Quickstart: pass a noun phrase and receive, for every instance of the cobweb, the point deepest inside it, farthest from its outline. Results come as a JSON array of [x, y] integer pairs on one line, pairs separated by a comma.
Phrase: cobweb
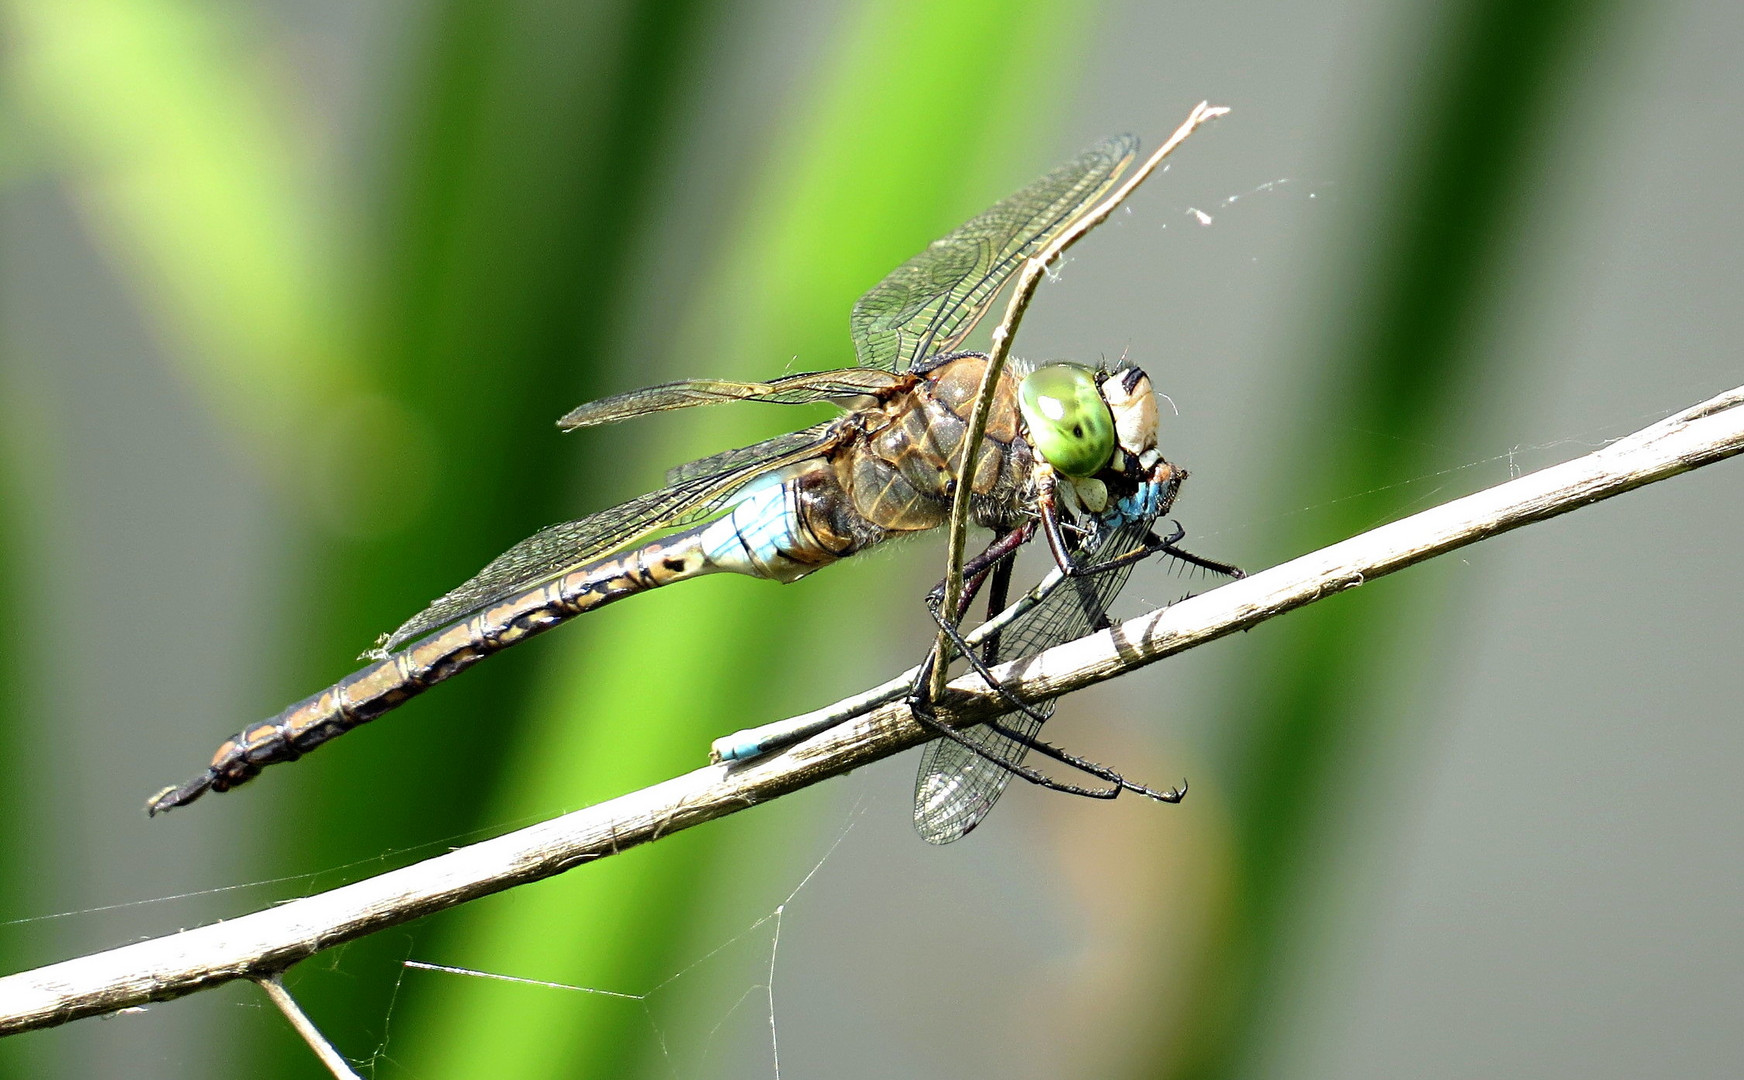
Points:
[[695, 1051]]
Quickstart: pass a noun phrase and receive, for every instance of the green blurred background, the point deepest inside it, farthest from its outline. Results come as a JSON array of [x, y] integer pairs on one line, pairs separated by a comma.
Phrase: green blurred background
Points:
[[291, 292]]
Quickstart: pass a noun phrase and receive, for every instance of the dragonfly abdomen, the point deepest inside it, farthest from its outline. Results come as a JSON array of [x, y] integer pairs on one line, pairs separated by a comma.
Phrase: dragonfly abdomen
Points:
[[785, 525], [768, 534]]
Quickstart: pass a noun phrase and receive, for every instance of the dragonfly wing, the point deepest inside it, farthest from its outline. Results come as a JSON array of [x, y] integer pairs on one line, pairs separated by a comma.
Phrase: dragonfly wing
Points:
[[931, 302], [802, 389], [558, 549], [730, 460], [956, 787]]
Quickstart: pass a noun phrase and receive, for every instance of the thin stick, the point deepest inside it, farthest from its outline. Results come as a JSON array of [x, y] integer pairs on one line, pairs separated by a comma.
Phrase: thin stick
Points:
[[336, 1064], [1027, 281], [265, 942]]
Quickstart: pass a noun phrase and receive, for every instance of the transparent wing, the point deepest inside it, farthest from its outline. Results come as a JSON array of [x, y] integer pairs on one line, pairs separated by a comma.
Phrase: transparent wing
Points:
[[708, 486], [726, 461], [931, 302], [956, 787], [800, 389]]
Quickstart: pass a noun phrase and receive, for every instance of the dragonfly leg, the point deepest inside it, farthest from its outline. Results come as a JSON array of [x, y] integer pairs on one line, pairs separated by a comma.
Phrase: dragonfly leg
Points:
[[1048, 509], [1153, 545], [1167, 547], [962, 645], [923, 712], [975, 573], [1024, 772], [1047, 503], [1052, 528], [997, 593]]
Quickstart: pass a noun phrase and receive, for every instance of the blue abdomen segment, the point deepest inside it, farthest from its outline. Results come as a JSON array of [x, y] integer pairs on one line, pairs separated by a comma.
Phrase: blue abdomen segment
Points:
[[764, 535], [1142, 505]]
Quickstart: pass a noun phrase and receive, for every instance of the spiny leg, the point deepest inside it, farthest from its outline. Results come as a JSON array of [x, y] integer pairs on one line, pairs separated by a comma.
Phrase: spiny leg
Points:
[[1167, 547], [1054, 530], [1097, 617], [1048, 508], [1153, 545], [924, 713], [975, 573], [1025, 772], [998, 555]]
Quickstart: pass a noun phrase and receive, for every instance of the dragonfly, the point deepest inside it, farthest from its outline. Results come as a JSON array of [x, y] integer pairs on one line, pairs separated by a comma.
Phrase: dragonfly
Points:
[[1069, 452]]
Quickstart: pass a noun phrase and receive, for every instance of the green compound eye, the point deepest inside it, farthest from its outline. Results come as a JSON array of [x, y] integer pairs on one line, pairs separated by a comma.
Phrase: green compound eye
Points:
[[1069, 423]]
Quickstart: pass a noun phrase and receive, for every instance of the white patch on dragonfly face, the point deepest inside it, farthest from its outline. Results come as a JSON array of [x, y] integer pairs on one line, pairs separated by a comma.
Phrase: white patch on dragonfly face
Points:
[[1134, 405]]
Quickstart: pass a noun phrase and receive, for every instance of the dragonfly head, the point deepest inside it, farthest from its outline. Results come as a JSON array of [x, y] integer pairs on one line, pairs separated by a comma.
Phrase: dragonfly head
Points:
[[1086, 422], [1070, 424], [1098, 429]]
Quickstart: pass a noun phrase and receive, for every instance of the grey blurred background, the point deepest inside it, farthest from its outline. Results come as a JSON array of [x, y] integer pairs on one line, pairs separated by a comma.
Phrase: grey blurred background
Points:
[[1498, 837]]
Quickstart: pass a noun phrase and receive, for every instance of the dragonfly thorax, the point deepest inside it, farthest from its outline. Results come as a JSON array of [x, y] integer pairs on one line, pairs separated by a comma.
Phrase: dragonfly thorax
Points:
[[898, 468]]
